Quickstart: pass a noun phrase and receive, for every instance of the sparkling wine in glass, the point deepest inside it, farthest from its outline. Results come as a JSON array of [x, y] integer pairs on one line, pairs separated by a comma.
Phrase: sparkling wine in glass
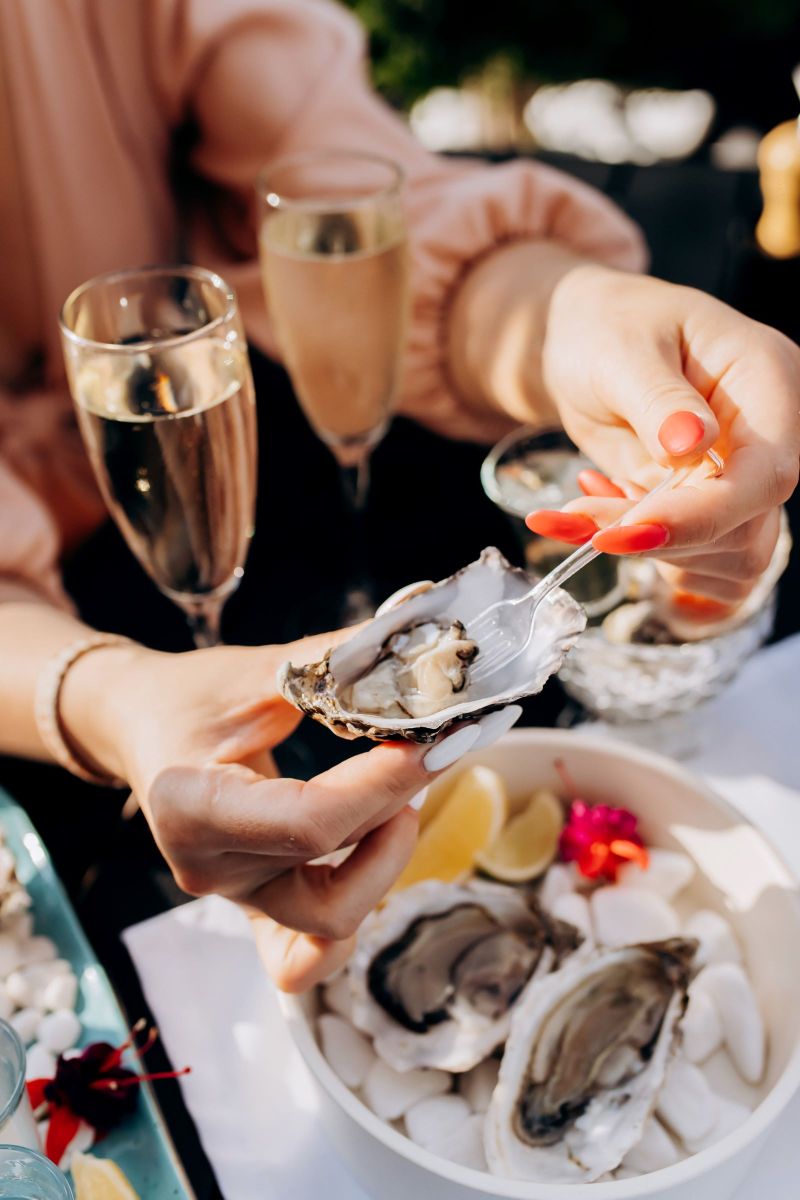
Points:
[[158, 370], [335, 267]]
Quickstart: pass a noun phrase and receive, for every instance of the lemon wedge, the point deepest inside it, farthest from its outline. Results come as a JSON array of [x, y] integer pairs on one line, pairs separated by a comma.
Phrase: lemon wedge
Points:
[[527, 845], [468, 819], [99, 1179]]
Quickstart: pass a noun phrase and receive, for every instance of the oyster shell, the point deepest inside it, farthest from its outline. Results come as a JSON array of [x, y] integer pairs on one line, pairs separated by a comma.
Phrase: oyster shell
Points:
[[438, 969], [587, 1054], [325, 690]]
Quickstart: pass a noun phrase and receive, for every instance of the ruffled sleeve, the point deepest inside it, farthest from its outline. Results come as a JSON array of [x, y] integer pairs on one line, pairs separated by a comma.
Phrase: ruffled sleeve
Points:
[[266, 78]]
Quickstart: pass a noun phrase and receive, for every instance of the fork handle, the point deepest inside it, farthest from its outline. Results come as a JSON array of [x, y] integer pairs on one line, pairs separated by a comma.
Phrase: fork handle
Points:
[[586, 554]]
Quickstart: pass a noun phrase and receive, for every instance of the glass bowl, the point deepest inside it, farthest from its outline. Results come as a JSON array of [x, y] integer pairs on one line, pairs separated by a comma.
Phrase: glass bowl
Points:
[[530, 469], [631, 683]]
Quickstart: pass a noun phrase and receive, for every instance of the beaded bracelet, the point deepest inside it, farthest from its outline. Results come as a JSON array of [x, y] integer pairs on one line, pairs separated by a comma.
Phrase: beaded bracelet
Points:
[[48, 719]]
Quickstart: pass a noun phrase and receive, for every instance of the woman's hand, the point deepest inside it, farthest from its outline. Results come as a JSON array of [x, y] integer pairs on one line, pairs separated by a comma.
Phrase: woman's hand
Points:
[[644, 372], [192, 734]]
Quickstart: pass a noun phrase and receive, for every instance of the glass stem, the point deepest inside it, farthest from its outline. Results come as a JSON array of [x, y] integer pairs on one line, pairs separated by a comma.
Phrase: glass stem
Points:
[[204, 617], [358, 604], [355, 482]]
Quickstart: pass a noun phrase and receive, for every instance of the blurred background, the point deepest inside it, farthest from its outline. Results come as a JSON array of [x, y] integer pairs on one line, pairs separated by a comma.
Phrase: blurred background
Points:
[[610, 80]]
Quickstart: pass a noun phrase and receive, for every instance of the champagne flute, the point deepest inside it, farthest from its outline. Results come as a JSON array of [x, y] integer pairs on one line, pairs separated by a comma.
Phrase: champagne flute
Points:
[[335, 266], [157, 366]]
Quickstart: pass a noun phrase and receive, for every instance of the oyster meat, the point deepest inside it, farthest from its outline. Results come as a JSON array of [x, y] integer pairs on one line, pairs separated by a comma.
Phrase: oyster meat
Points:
[[438, 969], [586, 1056], [406, 674], [418, 672]]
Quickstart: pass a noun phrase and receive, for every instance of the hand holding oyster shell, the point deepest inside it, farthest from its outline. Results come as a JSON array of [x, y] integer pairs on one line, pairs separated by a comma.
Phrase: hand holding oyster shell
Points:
[[406, 674]]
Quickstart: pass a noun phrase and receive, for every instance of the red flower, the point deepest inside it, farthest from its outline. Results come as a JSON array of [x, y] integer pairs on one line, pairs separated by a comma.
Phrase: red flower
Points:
[[600, 839], [93, 1087]]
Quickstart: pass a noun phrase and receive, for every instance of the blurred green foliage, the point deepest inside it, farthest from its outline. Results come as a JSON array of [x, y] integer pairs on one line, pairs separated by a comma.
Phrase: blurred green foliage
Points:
[[420, 44]]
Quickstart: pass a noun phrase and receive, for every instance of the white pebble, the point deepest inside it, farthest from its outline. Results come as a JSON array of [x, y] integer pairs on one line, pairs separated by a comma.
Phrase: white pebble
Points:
[[731, 1116], [10, 954], [60, 992], [742, 1026], [654, 1150], [686, 1103], [667, 873], [431, 1121], [717, 940], [559, 879], [59, 1031], [40, 1063], [39, 975], [574, 908], [625, 916], [390, 1094], [338, 996], [465, 1145], [701, 1027], [7, 1005], [347, 1051], [477, 1085], [39, 950], [19, 989], [26, 1022]]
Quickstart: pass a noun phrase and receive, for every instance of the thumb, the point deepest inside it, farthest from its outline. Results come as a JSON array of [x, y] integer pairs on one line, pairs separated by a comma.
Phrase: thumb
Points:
[[671, 419]]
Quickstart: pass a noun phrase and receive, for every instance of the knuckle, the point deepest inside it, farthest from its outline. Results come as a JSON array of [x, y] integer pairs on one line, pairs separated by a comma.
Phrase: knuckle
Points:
[[754, 560], [310, 839], [785, 475], [192, 879], [342, 925]]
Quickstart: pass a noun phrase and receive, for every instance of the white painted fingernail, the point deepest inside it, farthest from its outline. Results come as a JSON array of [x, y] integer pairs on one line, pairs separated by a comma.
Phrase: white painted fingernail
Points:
[[451, 748], [496, 725], [417, 802]]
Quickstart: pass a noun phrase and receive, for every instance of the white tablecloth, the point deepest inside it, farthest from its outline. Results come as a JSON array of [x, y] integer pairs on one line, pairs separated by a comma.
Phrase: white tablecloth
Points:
[[250, 1095]]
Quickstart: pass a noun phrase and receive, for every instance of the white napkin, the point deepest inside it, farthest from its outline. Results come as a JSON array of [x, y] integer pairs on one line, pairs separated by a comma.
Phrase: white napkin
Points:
[[250, 1095]]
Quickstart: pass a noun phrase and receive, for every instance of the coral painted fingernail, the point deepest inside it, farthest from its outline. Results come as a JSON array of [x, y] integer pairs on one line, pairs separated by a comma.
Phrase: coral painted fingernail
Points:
[[631, 539], [594, 483], [563, 527], [681, 432], [692, 604]]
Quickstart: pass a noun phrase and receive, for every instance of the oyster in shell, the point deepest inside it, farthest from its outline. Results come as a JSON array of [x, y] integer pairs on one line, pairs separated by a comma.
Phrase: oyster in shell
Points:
[[438, 969], [419, 671], [362, 688], [586, 1056]]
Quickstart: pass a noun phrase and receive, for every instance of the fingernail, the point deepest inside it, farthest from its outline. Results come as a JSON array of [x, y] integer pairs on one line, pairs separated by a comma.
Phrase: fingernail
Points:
[[594, 483], [496, 725], [564, 527], [451, 748], [681, 432], [692, 604], [417, 801], [631, 539]]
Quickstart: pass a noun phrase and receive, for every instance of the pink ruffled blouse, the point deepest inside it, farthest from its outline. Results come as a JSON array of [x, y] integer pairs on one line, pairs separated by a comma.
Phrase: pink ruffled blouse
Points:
[[91, 96]]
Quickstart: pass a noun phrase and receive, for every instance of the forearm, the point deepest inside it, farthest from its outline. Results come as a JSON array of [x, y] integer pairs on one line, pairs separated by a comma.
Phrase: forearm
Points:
[[496, 329], [32, 632]]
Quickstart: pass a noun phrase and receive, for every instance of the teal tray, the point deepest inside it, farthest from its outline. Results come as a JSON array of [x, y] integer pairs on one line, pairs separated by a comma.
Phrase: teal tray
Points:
[[141, 1146]]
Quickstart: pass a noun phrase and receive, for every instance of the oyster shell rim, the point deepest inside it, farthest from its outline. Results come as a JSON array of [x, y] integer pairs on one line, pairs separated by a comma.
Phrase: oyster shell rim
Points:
[[321, 705]]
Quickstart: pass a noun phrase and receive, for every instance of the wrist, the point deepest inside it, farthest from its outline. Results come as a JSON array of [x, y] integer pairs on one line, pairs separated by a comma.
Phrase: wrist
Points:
[[497, 324], [97, 703]]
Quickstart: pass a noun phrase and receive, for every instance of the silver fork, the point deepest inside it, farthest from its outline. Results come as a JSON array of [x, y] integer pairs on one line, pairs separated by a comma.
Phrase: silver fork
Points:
[[501, 641]]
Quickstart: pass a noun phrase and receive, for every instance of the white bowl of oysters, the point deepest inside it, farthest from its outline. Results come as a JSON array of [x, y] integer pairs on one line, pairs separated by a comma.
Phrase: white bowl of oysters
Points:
[[569, 1037]]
